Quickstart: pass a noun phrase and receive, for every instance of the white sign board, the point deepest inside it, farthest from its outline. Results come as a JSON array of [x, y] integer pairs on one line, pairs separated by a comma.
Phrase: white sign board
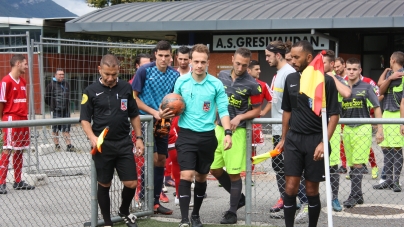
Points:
[[260, 42]]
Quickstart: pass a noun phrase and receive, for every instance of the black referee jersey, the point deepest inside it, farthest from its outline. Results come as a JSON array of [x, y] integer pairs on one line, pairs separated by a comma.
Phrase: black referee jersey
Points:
[[111, 107], [303, 119]]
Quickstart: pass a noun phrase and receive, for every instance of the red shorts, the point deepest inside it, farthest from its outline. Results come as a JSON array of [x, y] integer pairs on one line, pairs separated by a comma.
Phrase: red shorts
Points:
[[15, 138], [257, 136]]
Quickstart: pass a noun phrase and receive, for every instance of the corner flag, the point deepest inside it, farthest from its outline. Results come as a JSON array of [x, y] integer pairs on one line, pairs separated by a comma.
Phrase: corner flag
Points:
[[312, 83]]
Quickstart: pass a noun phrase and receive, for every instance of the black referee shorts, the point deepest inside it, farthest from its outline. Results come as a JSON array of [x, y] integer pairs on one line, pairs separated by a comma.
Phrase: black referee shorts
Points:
[[196, 150], [116, 154], [298, 156], [277, 161]]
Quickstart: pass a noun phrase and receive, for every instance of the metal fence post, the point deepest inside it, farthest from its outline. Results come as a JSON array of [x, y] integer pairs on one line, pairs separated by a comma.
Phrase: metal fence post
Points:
[[149, 170], [94, 200], [248, 177]]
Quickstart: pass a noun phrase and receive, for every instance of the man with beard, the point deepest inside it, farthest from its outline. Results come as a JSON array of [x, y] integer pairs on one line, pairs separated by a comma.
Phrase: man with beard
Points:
[[13, 107], [275, 56], [183, 60], [243, 93], [302, 138]]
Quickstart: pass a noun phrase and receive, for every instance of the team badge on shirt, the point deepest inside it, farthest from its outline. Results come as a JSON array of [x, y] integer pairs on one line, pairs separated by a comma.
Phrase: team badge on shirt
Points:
[[124, 104], [206, 106]]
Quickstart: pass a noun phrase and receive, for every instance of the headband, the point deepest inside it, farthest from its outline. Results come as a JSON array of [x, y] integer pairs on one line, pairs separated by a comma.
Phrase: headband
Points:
[[275, 49]]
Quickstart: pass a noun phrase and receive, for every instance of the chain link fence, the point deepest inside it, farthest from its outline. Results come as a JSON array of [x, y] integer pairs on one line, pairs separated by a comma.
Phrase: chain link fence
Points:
[[65, 180], [380, 206], [65, 183]]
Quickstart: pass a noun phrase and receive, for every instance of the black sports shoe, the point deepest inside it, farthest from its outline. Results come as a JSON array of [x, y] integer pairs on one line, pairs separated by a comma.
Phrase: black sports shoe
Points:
[[229, 218], [352, 201], [3, 189], [241, 202], [71, 148], [196, 221], [159, 209], [365, 169], [130, 220], [22, 186], [383, 185], [342, 169], [184, 223], [396, 187]]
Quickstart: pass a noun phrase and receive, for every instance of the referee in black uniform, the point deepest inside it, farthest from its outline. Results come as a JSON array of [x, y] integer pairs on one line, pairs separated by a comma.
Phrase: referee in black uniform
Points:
[[299, 125], [109, 102]]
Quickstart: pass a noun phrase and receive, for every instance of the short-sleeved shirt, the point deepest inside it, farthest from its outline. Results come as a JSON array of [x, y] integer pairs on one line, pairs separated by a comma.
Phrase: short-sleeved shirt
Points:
[[201, 101], [265, 94], [13, 94], [153, 85], [277, 89], [242, 93], [112, 107], [363, 97], [303, 120], [394, 93]]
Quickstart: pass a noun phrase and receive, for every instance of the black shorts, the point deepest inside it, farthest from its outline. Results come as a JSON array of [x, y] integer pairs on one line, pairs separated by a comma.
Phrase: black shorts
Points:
[[196, 150], [61, 114], [160, 143], [116, 154], [298, 156], [277, 161]]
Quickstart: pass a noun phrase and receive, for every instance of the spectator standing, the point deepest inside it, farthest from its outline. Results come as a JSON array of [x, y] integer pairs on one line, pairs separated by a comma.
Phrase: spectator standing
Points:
[[57, 96]]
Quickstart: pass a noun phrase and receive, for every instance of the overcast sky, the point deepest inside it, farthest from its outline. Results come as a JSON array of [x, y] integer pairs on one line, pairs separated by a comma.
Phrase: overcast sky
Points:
[[78, 7]]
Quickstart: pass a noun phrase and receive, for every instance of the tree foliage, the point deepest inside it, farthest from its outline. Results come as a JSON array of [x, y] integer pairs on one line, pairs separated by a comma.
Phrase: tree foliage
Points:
[[127, 55], [104, 3]]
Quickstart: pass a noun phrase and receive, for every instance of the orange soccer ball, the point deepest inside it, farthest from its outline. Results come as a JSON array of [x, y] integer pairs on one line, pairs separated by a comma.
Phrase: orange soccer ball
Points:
[[174, 102]]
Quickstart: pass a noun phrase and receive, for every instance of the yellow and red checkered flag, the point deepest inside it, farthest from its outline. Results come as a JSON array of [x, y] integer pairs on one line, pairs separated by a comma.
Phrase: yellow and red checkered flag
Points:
[[312, 83], [262, 157], [100, 140]]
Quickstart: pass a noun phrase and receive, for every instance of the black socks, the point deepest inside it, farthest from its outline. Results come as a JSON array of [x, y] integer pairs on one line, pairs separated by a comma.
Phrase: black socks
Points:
[[199, 194], [184, 191], [127, 197], [289, 209], [104, 203], [314, 209], [158, 183]]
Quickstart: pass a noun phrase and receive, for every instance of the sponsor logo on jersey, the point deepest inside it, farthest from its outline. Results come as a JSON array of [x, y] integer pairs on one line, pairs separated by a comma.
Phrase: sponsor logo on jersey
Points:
[[19, 100]]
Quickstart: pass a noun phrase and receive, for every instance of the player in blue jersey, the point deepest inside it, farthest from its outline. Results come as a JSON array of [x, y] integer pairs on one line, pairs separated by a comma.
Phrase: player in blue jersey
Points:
[[152, 82]]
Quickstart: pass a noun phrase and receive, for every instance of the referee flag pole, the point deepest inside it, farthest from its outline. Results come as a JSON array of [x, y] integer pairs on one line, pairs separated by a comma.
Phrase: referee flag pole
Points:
[[327, 166], [312, 84]]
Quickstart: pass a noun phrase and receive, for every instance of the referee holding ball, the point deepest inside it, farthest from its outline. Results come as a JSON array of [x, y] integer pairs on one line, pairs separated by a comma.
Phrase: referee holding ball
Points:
[[196, 143]]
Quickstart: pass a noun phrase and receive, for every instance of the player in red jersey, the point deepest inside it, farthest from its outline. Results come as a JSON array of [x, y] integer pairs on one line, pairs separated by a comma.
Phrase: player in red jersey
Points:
[[13, 107], [258, 137]]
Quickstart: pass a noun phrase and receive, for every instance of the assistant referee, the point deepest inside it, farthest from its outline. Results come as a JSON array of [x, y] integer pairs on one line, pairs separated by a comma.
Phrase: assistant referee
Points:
[[109, 103], [300, 125]]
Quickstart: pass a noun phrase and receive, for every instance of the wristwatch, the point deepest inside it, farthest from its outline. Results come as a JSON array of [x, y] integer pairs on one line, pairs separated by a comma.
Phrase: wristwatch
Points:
[[228, 132], [139, 137]]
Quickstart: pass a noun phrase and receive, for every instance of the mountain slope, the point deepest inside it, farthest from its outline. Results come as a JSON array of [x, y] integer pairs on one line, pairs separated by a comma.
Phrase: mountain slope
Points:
[[33, 8]]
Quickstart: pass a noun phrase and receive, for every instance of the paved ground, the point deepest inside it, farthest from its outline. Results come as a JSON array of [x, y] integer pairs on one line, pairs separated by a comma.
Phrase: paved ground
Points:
[[65, 200]]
